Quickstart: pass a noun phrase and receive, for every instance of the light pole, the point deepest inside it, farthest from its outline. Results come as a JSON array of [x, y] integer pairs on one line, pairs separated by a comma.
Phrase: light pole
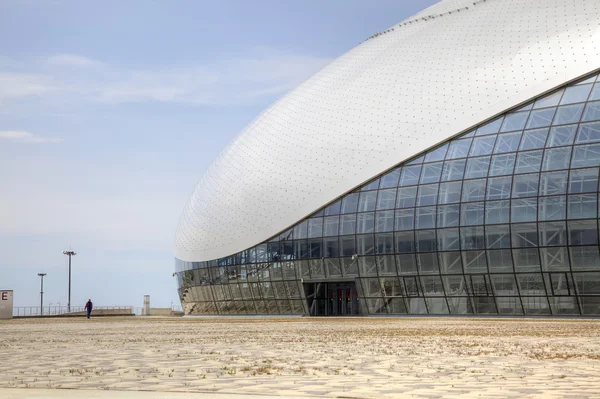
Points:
[[69, 254], [42, 293]]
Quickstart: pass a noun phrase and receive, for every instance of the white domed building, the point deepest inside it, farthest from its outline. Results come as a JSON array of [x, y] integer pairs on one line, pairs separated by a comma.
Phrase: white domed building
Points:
[[446, 165]]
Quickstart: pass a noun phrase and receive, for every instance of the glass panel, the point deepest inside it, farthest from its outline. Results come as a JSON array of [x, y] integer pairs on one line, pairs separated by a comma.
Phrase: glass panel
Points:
[[334, 209], [428, 263], [405, 241], [557, 158], [588, 133], [459, 149], [549, 101], [367, 201], [568, 114], [426, 241], [502, 164], [592, 112], [448, 216], [347, 246], [507, 142], [497, 212], [526, 260], [500, 261], [562, 135], [586, 155], [583, 232], [455, 285], [541, 118], [552, 234], [477, 167], [427, 195], [554, 259], [482, 146], [473, 190], [372, 185], [365, 244], [585, 258], [448, 240], [406, 263], [472, 214], [331, 225], [384, 221], [425, 218], [524, 210], [390, 179], [499, 188], [504, 285], [349, 203], [576, 94], [386, 199], [514, 121], [533, 139], [432, 286], [584, 206], [472, 238], [315, 227], [490, 127], [450, 262], [552, 183], [410, 175], [406, 197], [525, 185], [348, 224], [497, 237], [384, 244], [583, 181], [524, 235], [449, 193], [437, 155], [431, 172], [528, 162], [454, 170], [365, 222], [474, 261], [552, 208], [405, 219], [595, 93]]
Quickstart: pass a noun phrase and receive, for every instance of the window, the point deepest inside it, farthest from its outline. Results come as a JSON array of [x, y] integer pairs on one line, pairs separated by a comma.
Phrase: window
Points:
[[502, 164], [477, 167], [562, 135], [529, 161], [508, 142], [453, 170], [406, 197], [482, 146], [449, 193], [459, 148], [514, 121], [583, 181], [386, 199]]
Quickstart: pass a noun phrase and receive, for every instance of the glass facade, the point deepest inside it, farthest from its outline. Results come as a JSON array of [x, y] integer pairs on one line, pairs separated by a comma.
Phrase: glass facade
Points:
[[500, 220]]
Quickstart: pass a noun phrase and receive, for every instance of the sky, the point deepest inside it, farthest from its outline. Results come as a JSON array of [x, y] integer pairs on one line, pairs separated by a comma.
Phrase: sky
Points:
[[111, 111]]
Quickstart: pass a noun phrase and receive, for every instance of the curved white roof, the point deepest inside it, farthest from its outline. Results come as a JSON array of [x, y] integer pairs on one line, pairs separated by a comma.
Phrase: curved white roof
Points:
[[426, 79]]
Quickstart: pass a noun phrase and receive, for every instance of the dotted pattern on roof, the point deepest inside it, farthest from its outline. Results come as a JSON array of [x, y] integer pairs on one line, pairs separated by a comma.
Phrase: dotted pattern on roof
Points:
[[379, 104]]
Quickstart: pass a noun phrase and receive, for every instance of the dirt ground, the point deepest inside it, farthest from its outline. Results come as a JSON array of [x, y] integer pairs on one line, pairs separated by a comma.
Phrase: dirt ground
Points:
[[332, 357]]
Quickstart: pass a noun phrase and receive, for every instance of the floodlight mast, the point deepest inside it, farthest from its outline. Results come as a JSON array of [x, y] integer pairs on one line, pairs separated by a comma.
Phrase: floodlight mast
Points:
[[69, 254], [42, 293]]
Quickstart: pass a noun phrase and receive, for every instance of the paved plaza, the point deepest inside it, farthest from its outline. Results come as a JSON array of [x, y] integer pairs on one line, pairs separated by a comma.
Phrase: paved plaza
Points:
[[318, 357]]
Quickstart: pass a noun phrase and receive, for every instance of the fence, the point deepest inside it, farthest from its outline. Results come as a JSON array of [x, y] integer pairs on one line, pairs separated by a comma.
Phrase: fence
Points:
[[58, 310]]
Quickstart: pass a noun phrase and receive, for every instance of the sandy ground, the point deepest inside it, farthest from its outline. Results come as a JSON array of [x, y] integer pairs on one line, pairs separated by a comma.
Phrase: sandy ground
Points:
[[332, 357]]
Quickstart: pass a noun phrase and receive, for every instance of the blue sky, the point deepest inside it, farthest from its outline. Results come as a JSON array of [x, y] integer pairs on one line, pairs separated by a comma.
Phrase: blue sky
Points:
[[110, 112]]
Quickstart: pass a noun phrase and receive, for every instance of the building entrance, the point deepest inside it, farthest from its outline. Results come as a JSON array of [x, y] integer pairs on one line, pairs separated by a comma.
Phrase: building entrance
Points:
[[332, 299]]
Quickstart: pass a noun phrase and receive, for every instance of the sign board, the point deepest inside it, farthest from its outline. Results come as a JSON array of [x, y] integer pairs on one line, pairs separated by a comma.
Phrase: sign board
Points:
[[6, 304]]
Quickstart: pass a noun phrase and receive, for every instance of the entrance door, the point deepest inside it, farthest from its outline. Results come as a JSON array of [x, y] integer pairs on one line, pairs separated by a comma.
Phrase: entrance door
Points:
[[332, 299]]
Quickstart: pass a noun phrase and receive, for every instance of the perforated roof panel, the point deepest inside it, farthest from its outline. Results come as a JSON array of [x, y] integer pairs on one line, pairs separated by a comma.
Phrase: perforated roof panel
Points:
[[401, 92]]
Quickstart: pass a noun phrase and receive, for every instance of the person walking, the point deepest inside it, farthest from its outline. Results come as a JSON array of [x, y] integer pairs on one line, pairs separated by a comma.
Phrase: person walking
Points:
[[88, 306]]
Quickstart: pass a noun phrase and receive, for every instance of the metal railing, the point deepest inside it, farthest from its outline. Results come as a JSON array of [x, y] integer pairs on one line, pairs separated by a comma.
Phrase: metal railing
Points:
[[59, 310]]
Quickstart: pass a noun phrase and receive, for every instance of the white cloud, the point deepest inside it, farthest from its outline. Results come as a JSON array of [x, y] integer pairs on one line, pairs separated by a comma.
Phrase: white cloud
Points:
[[71, 60], [240, 80], [26, 137], [17, 85]]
